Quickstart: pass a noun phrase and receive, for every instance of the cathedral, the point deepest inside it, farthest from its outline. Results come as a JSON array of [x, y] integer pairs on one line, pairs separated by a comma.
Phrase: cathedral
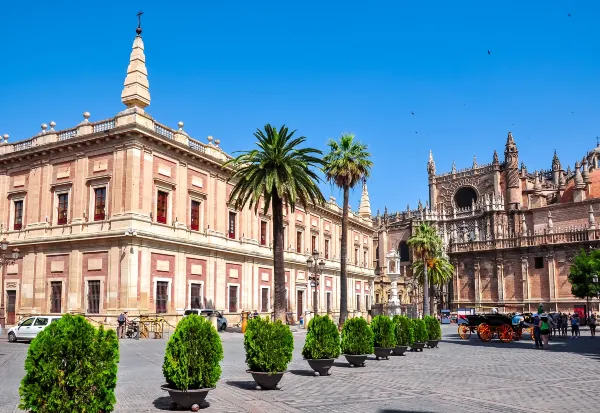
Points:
[[511, 234]]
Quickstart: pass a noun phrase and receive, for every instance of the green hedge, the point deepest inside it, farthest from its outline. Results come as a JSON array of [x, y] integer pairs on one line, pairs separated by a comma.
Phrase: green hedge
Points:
[[193, 355], [404, 331], [269, 345], [357, 337], [420, 330], [322, 339], [384, 331], [71, 366], [434, 328]]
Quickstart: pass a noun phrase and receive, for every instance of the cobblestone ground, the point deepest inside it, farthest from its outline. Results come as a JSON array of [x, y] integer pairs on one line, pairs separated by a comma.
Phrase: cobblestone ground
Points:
[[461, 375]]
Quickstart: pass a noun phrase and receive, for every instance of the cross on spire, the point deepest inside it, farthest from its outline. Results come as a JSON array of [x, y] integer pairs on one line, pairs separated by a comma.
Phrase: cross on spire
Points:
[[139, 15]]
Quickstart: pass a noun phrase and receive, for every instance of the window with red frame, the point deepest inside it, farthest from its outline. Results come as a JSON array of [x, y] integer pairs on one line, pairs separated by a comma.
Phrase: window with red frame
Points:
[[231, 227], [18, 222], [63, 208], [313, 244], [99, 204], [326, 249], [263, 233], [195, 216], [161, 207], [162, 296]]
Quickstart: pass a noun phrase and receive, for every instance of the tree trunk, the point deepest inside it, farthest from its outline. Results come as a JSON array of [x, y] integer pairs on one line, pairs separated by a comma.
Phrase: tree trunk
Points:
[[343, 260], [280, 299], [425, 288]]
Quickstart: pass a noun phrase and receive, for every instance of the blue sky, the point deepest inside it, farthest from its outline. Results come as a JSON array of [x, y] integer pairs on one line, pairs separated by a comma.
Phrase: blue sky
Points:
[[226, 68]]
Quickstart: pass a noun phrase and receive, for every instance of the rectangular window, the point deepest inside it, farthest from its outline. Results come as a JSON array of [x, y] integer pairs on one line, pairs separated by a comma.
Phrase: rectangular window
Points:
[[195, 216], [364, 258], [196, 296], [357, 302], [355, 256], [161, 207], [328, 296], [326, 249], [18, 222], [162, 296], [231, 227], [264, 300], [263, 233], [93, 297], [377, 298], [63, 208], [55, 296], [99, 204], [299, 242], [539, 262], [233, 299], [313, 243], [366, 302]]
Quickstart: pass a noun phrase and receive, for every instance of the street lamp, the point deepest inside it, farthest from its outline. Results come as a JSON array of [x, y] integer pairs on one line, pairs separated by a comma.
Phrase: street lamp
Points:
[[315, 268], [5, 260]]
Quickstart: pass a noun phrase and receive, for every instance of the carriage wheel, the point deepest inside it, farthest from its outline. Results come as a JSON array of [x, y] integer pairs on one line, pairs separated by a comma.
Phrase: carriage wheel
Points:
[[464, 332], [518, 334], [505, 333], [485, 332]]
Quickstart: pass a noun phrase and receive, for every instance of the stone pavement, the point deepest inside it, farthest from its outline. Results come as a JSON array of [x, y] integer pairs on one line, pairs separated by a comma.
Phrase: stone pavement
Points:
[[462, 375]]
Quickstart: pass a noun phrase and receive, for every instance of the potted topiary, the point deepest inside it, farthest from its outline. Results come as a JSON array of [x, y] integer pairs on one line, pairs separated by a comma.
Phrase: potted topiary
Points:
[[420, 332], [269, 346], [404, 334], [71, 366], [322, 344], [191, 364], [434, 331], [384, 336], [357, 341]]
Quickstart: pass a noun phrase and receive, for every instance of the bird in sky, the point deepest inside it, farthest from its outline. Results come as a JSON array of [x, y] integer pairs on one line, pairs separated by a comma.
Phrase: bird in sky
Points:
[[569, 14], [412, 113], [489, 52]]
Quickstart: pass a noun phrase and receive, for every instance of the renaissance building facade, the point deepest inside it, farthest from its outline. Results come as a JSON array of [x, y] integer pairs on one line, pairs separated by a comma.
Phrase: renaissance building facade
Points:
[[511, 234], [129, 214]]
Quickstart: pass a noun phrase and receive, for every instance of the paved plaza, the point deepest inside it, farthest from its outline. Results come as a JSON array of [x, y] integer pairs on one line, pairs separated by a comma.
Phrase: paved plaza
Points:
[[459, 376]]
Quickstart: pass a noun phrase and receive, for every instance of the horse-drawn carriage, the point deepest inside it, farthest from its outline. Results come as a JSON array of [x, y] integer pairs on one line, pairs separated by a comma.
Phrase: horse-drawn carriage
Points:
[[489, 325]]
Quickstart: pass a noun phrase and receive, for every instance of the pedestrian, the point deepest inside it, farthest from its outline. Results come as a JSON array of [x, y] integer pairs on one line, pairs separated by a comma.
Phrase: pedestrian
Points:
[[592, 323], [564, 320], [575, 325], [122, 320], [545, 331], [537, 324]]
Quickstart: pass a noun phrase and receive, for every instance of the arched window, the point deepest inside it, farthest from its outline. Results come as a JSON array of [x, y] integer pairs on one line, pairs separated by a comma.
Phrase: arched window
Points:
[[465, 197], [404, 252]]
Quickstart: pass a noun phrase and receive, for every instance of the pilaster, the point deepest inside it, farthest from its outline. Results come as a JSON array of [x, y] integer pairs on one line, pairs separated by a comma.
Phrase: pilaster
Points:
[[477, 276], [113, 288], [144, 279], [500, 275], [180, 281], [80, 193], [74, 282], [550, 259], [133, 172], [525, 277]]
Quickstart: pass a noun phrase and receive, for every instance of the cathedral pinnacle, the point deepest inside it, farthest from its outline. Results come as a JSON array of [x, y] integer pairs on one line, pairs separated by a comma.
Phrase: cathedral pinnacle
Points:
[[430, 164], [364, 210], [556, 162], [136, 88], [496, 161]]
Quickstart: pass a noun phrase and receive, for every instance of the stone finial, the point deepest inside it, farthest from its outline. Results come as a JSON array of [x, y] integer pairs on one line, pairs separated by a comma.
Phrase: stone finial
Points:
[[52, 125], [524, 226], [537, 186], [136, 91], [86, 116], [474, 162], [496, 160], [585, 173], [476, 232], [591, 219], [44, 127], [578, 178], [364, 210], [180, 124], [556, 162], [431, 164], [550, 223], [407, 207], [217, 142], [453, 167], [420, 206], [210, 140], [6, 138], [562, 181]]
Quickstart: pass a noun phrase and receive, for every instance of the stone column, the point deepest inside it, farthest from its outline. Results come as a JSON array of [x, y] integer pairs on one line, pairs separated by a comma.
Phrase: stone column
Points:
[[477, 276], [552, 276], [525, 277], [500, 275]]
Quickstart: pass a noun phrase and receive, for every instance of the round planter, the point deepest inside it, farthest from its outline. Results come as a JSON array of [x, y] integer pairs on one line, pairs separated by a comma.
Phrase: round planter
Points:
[[356, 360], [432, 343], [321, 366], [417, 347], [187, 398], [400, 350], [383, 352], [267, 381]]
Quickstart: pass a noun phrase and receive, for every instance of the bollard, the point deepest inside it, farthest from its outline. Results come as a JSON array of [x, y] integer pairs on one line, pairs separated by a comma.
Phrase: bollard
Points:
[[213, 321], [244, 321]]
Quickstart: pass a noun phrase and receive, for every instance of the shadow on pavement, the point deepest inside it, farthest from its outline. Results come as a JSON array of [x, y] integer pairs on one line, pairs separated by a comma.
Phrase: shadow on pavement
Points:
[[244, 385], [162, 403], [306, 373], [343, 364]]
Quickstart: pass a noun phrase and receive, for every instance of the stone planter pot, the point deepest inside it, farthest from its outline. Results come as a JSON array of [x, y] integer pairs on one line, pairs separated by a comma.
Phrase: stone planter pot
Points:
[[356, 360], [432, 343], [321, 366], [400, 350], [417, 347], [267, 381], [187, 398], [383, 352]]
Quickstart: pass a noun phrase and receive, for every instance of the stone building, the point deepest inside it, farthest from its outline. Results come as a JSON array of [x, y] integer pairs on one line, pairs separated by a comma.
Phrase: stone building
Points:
[[129, 214], [511, 234]]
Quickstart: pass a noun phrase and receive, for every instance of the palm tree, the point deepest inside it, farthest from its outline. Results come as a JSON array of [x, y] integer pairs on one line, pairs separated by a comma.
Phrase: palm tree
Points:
[[426, 244], [439, 271], [279, 172], [346, 165]]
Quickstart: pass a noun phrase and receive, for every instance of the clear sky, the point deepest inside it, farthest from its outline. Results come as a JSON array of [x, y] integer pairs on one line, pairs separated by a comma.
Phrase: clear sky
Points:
[[323, 67]]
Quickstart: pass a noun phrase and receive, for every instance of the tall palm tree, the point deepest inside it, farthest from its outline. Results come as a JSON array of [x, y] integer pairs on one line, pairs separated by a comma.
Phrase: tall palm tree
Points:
[[279, 172], [439, 271], [346, 164], [426, 244]]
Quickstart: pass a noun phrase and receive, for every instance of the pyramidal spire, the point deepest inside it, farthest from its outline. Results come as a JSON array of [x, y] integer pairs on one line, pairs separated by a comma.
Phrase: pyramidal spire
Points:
[[136, 91], [365, 205]]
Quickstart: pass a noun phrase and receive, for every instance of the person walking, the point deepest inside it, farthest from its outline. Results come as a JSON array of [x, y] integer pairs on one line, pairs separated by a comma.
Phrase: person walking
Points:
[[592, 322], [564, 320], [545, 331], [537, 324], [122, 320], [575, 325]]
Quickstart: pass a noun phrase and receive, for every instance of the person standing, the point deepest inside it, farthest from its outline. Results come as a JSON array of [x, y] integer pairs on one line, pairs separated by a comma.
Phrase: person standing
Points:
[[564, 320], [545, 331], [537, 324], [592, 322], [122, 320], [575, 325]]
